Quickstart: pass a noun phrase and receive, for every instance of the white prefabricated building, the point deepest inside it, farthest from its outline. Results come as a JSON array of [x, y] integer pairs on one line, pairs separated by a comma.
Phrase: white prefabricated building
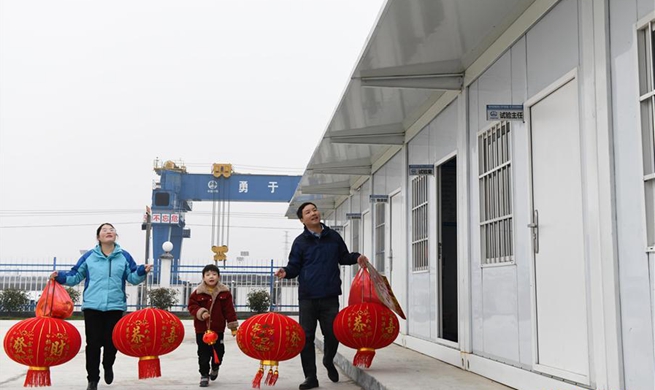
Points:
[[496, 160]]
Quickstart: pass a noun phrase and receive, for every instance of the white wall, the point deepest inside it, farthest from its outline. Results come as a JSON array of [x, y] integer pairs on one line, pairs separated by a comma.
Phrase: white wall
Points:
[[636, 307]]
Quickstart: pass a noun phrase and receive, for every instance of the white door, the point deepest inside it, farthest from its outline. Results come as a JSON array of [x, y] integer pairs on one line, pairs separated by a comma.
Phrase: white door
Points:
[[397, 255], [558, 239]]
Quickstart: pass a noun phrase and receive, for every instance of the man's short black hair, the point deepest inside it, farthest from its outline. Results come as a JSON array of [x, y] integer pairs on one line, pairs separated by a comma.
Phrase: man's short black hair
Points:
[[210, 267], [302, 206]]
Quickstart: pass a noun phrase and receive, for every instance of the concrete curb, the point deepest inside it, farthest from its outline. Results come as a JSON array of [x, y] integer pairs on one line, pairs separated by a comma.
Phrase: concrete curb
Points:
[[358, 375]]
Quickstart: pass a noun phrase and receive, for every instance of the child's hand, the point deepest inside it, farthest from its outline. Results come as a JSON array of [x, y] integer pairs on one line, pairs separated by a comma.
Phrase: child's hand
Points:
[[205, 315], [234, 332]]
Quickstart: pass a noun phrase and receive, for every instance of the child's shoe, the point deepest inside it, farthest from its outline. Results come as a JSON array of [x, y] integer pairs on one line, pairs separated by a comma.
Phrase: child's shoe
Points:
[[213, 374], [204, 381]]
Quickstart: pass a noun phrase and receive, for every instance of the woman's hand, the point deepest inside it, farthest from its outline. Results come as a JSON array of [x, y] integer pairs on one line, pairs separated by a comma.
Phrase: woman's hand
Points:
[[148, 267], [53, 275], [362, 261]]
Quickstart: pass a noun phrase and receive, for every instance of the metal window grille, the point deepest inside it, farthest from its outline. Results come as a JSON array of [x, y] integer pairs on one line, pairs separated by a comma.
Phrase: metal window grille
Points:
[[354, 246], [420, 223], [646, 52], [495, 167], [379, 236]]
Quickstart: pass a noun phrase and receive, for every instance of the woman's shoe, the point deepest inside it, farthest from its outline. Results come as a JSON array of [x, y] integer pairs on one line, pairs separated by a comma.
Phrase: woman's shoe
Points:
[[92, 386]]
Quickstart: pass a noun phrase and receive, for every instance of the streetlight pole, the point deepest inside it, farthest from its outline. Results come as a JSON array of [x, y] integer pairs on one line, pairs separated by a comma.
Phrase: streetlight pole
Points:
[[148, 227]]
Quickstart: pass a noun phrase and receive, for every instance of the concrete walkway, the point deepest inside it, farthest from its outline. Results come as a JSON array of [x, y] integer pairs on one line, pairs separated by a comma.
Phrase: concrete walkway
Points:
[[394, 368]]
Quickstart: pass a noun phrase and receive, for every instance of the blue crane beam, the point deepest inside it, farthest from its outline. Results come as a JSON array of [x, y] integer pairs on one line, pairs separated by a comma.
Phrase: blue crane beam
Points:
[[177, 190]]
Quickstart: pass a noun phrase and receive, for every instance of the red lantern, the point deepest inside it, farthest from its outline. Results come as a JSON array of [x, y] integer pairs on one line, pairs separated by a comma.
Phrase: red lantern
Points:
[[270, 338], [210, 338], [41, 343], [146, 334], [366, 327]]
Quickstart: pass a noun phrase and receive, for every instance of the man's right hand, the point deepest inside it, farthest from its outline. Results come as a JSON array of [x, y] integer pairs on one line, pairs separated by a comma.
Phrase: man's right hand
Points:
[[281, 273]]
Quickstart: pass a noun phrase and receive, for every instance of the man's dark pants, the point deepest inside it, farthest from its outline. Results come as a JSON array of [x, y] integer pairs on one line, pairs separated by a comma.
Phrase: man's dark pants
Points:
[[98, 327], [323, 310]]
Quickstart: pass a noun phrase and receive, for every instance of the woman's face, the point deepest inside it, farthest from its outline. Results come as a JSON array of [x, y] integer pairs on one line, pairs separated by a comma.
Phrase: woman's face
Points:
[[107, 234]]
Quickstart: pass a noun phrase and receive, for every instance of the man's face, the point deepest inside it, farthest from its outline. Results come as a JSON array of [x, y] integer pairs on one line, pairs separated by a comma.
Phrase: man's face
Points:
[[310, 216]]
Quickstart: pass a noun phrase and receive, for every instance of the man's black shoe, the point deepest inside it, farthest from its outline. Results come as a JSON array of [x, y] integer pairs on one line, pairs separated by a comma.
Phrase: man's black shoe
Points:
[[109, 375], [333, 374], [92, 386], [309, 383]]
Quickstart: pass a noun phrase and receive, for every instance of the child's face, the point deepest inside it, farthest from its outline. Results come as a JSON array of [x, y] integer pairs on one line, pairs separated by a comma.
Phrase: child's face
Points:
[[211, 278]]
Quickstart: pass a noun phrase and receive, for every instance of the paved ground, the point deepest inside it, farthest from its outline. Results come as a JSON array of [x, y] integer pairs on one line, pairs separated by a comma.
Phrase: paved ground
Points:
[[394, 368]]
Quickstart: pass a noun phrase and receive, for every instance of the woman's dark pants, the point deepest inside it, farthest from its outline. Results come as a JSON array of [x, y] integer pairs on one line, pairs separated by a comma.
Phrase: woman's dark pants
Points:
[[98, 326]]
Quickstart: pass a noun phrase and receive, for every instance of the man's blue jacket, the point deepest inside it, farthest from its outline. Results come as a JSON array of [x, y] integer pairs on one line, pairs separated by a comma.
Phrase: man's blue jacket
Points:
[[316, 260], [104, 278]]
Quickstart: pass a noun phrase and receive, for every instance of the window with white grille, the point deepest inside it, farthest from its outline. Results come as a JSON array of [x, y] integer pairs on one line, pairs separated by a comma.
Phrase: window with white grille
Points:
[[646, 49], [354, 227], [380, 209], [420, 223], [495, 169]]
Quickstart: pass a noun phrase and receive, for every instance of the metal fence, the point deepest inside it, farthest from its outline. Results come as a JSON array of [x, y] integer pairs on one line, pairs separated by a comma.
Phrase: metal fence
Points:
[[240, 278]]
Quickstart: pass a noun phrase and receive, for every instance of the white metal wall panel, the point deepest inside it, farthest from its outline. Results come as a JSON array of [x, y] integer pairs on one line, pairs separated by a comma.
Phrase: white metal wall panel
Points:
[[443, 134], [395, 169], [499, 315], [637, 332], [499, 292], [521, 212], [553, 46], [389, 177], [644, 7], [420, 318], [477, 338]]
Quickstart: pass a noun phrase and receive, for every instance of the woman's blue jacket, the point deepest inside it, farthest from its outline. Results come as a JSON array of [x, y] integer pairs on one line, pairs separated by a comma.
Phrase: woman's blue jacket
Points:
[[104, 278]]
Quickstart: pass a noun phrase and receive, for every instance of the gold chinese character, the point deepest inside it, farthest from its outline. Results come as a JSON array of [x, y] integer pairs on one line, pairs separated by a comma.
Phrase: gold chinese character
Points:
[[359, 325], [19, 343], [57, 348], [137, 337]]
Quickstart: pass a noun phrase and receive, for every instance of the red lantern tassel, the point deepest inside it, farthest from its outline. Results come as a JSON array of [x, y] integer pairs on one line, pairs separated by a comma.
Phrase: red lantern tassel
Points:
[[364, 357], [216, 359], [257, 382], [269, 376], [149, 367], [273, 379], [37, 377]]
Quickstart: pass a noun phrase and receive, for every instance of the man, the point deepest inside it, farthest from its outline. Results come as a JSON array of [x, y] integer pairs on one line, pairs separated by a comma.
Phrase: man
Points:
[[315, 258]]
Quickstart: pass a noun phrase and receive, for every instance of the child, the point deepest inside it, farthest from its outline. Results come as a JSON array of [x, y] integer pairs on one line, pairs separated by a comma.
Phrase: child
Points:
[[211, 307]]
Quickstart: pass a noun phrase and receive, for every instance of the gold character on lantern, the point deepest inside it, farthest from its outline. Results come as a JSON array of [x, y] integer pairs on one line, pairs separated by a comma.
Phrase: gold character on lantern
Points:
[[137, 337], [19, 344], [172, 337], [57, 348], [359, 326]]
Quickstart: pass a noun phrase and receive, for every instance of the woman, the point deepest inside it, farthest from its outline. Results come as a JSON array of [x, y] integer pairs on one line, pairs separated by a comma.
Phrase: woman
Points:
[[104, 270]]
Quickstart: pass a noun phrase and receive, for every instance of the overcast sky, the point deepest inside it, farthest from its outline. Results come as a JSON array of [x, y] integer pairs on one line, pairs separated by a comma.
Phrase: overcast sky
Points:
[[92, 92]]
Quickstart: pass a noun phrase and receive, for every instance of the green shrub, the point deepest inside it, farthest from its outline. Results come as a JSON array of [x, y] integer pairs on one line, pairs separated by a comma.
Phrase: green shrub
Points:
[[13, 299], [74, 294], [259, 301], [163, 298]]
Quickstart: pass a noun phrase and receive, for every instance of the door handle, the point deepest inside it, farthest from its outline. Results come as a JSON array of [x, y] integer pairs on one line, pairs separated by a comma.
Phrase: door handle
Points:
[[535, 230]]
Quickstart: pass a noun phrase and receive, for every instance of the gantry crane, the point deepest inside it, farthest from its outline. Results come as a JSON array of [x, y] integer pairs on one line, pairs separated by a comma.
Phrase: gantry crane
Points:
[[177, 189]]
